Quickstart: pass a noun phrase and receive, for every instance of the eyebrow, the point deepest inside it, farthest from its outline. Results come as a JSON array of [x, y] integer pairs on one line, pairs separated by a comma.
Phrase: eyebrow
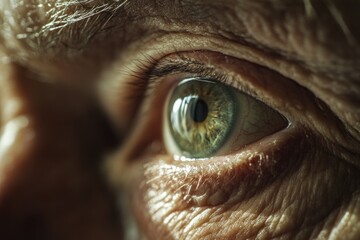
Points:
[[45, 24], [49, 27]]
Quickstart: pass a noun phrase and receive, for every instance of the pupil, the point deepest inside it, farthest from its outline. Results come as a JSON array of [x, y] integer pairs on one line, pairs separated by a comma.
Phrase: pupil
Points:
[[199, 111]]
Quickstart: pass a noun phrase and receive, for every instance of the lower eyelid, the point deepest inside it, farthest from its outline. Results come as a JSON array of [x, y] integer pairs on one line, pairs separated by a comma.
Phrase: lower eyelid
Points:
[[239, 176]]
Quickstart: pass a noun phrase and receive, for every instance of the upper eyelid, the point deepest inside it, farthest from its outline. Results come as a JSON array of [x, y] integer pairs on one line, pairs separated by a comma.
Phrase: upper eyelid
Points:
[[248, 75], [150, 72], [266, 85], [196, 69]]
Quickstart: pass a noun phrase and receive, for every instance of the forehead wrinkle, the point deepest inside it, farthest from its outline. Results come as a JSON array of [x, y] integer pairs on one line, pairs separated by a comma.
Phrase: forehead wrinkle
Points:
[[41, 25]]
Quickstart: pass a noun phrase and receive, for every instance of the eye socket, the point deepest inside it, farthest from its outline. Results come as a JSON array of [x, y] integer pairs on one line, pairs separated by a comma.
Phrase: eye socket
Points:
[[204, 117]]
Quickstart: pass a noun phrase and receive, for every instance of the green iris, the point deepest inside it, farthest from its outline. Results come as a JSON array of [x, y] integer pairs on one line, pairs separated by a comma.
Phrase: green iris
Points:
[[200, 116]]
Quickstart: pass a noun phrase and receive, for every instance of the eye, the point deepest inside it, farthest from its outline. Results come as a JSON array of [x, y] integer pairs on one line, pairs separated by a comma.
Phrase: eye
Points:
[[201, 105], [204, 117]]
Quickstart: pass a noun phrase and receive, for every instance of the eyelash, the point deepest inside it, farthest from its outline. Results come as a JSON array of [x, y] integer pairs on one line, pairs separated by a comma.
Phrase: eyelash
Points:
[[149, 79]]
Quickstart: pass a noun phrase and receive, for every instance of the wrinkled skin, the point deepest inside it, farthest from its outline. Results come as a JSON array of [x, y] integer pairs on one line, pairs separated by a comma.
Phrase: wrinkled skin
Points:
[[78, 140]]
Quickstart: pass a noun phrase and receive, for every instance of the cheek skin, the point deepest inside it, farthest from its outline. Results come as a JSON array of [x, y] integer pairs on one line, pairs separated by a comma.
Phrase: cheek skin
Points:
[[307, 198], [50, 187]]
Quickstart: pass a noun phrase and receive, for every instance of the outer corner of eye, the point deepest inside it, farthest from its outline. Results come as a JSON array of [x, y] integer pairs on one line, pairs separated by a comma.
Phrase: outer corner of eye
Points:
[[203, 118]]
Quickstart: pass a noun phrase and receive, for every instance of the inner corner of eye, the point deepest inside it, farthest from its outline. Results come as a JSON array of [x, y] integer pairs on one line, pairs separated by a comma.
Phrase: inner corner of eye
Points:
[[204, 117]]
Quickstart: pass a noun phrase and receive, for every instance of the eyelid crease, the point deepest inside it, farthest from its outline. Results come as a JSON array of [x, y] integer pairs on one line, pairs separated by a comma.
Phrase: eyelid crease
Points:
[[194, 69]]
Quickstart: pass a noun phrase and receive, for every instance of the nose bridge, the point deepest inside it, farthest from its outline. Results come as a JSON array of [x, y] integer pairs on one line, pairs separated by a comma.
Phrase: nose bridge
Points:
[[17, 148], [51, 144], [16, 130]]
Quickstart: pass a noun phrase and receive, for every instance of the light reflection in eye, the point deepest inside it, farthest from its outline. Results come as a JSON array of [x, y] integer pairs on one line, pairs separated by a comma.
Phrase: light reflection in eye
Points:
[[204, 118]]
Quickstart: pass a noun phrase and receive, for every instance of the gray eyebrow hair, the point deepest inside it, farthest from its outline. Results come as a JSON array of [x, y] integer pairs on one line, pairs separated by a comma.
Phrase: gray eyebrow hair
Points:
[[41, 25], [38, 26]]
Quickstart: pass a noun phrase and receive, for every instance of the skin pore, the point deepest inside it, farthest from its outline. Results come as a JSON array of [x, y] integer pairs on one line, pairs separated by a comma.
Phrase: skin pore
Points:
[[83, 88]]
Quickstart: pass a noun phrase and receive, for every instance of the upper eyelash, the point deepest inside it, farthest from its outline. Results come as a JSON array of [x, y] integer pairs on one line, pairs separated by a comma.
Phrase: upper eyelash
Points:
[[147, 78], [150, 72], [195, 69]]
